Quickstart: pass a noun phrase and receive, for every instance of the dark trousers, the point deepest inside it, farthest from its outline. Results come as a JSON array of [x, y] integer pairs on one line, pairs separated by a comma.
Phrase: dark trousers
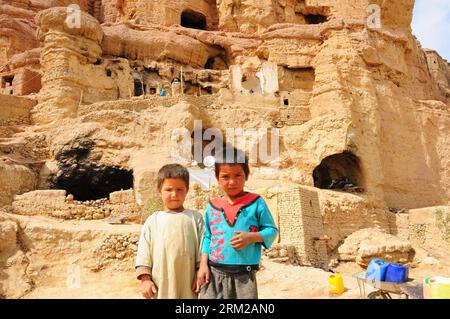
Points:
[[224, 285]]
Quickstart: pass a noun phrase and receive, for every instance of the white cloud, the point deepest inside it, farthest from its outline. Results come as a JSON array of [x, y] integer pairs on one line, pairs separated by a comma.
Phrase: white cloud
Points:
[[431, 25]]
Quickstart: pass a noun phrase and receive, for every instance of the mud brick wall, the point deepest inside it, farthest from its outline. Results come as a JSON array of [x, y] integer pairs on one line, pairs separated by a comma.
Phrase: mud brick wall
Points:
[[300, 221]]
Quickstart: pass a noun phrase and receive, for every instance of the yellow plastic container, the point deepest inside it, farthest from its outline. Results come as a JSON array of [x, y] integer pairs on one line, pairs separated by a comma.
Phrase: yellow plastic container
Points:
[[336, 284], [439, 287]]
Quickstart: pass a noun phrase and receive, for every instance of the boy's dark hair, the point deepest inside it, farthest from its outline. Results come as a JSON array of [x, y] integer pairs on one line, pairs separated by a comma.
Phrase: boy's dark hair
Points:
[[238, 158], [172, 171]]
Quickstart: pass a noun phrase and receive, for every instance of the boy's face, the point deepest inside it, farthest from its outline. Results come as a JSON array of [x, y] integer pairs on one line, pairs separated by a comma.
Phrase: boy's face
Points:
[[232, 179], [173, 193]]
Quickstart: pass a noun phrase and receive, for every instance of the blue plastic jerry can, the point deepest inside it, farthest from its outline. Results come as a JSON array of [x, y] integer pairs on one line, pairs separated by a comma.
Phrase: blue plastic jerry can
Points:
[[397, 273], [163, 92], [376, 270]]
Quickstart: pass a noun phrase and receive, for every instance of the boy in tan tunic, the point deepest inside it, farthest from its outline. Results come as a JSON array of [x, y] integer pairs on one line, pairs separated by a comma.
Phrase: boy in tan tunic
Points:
[[169, 246]]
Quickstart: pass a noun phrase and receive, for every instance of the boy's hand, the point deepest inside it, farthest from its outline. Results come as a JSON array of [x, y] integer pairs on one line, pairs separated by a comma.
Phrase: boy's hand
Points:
[[194, 283], [243, 239], [148, 288], [203, 276]]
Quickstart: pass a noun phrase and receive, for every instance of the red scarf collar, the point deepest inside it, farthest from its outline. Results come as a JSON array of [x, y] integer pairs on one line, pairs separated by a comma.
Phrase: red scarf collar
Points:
[[231, 210]]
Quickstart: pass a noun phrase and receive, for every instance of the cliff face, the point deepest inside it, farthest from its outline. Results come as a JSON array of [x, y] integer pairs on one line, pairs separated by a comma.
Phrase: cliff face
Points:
[[347, 81]]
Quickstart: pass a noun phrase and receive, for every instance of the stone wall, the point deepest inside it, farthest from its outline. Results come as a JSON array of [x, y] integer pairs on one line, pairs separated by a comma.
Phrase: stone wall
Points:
[[55, 203], [117, 247], [281, 253], [428, 228]]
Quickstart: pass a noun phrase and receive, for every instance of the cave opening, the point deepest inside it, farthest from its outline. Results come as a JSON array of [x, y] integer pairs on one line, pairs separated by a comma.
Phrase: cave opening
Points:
[[339, 171], [81, 175], [138, 87], [192, 19], [315, 18], [88, 181], [210, 63]]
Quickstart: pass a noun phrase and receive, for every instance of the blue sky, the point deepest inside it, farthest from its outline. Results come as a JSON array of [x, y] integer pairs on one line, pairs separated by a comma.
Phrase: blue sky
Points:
[[431, 25]]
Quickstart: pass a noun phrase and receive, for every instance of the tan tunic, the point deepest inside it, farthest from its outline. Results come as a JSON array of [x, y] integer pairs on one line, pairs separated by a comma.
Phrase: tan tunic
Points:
[[169, 250]]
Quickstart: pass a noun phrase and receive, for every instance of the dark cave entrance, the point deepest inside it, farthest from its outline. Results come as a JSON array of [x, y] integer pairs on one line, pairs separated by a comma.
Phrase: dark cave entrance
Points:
[[193, 20], [339, 171], [90, 182], [80, 174], [138, 87]]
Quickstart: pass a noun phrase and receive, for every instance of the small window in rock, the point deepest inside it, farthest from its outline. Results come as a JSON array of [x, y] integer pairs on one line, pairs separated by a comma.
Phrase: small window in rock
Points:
[[98, 62], [108, 73], [7, 81], [315, 18], [286, 102], [152, 91]]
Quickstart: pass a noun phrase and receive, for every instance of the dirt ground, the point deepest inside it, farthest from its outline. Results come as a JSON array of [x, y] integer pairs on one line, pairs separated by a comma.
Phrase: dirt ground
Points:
[[55, 245], [274, 281]]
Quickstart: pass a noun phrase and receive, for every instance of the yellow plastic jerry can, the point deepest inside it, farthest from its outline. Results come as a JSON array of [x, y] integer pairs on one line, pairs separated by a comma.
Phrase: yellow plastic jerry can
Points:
[[336, 284], [440, 287]]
